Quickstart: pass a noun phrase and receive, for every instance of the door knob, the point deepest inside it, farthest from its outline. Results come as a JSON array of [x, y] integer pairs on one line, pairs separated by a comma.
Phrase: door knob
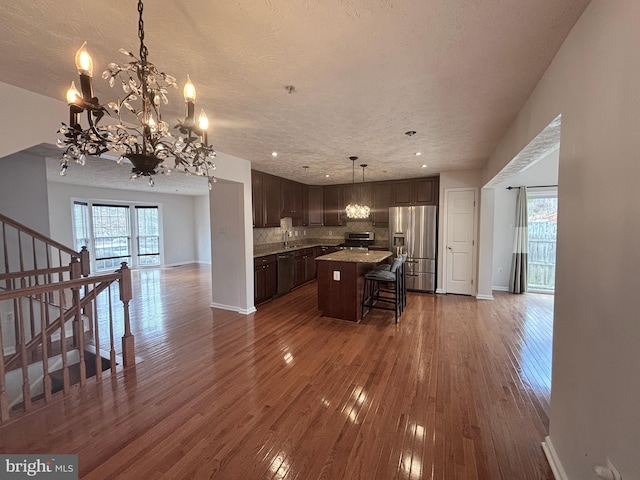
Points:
[[449, 248]]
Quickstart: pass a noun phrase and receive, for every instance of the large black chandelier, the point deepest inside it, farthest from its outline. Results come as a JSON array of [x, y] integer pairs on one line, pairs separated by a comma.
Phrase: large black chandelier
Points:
[[135, 130]]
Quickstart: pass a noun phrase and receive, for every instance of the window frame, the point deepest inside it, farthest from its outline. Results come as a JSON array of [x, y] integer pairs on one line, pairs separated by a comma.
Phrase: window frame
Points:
[[540, 193], [134, 230]]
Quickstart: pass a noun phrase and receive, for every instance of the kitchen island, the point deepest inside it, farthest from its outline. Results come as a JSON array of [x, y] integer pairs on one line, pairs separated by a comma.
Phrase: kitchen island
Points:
[[341, 280]]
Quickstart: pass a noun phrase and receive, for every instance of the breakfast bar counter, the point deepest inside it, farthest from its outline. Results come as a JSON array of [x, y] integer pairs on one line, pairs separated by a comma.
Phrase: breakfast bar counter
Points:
[[341, 280]]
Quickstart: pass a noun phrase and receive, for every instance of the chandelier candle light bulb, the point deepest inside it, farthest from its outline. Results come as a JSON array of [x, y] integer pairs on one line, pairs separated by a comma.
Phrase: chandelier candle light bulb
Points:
[[84, 64], [73, 99], [203, 125], [189, 93]]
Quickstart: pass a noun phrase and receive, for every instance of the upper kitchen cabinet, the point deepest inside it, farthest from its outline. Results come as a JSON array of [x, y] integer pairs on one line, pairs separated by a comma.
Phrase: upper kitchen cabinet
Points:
[[291, 200], [333, 205], [382, 194], [257, 198], [313, 213], [271, 199], [421, 191]]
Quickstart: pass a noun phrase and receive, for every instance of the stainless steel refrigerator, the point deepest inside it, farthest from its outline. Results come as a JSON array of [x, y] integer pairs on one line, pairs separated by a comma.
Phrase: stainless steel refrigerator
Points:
[[413, 230]]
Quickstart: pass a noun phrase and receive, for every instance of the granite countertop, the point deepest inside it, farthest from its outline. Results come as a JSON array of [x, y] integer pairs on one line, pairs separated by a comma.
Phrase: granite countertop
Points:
[[271, 250], [262, 252], [356, 256]]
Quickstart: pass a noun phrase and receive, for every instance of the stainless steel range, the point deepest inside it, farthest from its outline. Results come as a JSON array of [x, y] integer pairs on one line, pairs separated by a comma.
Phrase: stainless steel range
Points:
[[357, 241]]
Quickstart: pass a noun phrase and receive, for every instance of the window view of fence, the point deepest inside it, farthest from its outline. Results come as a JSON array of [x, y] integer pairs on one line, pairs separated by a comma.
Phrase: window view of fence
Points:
[[542, 243]]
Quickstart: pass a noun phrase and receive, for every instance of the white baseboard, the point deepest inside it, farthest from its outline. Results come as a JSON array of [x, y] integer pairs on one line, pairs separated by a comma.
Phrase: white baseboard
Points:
[[484, 297], [244, 311], [500, 289], [554, 461], [440, 291], [178, 264]]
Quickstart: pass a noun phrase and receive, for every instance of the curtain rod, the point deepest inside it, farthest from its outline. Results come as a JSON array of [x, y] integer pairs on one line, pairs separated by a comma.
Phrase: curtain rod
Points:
[[533, 186]]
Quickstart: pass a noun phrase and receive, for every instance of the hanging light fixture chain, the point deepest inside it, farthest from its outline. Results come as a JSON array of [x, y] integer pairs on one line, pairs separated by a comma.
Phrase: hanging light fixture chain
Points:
[[143, 48], [142, 75]]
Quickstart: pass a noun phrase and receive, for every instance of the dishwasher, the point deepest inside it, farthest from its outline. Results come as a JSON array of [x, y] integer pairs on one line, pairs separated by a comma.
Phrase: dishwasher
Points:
[[286, 269]]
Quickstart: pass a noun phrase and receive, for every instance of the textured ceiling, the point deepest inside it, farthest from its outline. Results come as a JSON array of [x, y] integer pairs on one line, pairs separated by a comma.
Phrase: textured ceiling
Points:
[[364, 71]]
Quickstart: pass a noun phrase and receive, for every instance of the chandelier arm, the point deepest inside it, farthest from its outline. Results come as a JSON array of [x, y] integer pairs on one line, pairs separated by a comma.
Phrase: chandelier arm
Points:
[[94, 128]]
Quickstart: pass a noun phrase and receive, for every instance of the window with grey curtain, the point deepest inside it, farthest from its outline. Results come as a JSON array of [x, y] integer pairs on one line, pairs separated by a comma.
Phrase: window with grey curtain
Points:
[[519, 259]]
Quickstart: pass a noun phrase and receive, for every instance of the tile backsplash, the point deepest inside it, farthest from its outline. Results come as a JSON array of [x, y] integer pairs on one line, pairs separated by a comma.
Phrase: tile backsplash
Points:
[[265, 236]]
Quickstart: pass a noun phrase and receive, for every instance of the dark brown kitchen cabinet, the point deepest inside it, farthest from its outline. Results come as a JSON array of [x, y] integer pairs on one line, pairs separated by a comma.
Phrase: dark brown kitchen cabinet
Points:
[[314, 211], [310, 265], [272, 197], [333, 205], [257, 198], [422, 191], [382, 200], [305, 266], [403, 193], [291, 200], [426, 191], [265, 279]]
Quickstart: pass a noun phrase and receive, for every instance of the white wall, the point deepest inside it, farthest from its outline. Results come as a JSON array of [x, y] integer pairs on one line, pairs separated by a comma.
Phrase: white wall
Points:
[[543, 172], [177, 216], [232, 235], [28, 119], [594, 82], [23, 191], [202, 228]]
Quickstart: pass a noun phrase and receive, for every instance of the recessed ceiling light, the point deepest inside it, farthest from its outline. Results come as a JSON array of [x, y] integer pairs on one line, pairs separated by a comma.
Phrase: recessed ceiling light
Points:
[[424, 165], [418, 154], [274, 154], [327, 176]]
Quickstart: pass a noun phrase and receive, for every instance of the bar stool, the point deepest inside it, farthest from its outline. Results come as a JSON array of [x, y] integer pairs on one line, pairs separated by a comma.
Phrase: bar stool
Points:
[[377, 294], [403, 279]]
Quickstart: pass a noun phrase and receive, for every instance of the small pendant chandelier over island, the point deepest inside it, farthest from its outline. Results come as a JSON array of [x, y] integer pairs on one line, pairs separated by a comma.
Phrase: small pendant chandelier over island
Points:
[[142, 137], [355, 210]]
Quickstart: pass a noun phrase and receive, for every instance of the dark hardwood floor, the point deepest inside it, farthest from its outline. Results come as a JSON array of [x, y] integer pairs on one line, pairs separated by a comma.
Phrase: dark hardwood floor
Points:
[[458, 389]]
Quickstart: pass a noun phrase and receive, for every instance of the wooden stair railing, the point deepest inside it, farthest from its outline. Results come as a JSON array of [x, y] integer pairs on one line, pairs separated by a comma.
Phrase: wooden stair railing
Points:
[[34, 251], [86, 295], [45, 287]]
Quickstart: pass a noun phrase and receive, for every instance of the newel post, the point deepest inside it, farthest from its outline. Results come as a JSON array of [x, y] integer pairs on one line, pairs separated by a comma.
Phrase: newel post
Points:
[[75, 272], [85, 262], [128, 346], [76, 268]]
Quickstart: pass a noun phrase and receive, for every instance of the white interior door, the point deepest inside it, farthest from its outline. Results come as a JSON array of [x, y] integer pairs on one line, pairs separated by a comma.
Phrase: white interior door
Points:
[[459, 241]]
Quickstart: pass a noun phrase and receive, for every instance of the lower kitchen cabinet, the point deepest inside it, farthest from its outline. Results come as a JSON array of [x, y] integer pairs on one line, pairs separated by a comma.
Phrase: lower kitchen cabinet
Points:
[[305, 265], [265, 278]]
